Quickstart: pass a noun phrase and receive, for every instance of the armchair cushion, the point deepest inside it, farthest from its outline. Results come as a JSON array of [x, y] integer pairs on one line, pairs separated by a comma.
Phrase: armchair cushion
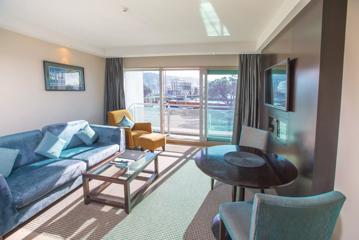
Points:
[[144, 126], [126, 123]]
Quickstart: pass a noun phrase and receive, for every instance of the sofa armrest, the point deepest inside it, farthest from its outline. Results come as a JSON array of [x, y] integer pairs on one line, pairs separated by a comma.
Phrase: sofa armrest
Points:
[[8, 210], [144, 126], [110, 135]]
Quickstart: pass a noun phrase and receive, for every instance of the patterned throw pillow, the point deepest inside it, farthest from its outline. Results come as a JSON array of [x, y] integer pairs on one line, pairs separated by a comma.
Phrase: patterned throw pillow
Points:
[[50, 146], [126, 123]]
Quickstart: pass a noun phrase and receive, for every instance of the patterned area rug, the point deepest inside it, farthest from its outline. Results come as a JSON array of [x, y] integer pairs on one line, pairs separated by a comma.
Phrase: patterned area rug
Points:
[[167, 212]]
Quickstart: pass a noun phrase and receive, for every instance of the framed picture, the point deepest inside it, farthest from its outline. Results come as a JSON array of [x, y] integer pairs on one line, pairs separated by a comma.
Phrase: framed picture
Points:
[[63, 77]]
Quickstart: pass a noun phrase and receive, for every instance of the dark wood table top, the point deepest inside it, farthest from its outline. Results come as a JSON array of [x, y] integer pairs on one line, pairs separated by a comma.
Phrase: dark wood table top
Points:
[[277, 171]]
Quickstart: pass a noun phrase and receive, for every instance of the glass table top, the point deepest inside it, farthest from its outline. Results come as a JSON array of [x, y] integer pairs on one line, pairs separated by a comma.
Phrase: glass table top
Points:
[[123, 168]]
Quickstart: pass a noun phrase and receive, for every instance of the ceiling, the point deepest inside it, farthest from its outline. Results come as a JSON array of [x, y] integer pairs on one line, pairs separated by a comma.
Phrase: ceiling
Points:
[[151, 27]]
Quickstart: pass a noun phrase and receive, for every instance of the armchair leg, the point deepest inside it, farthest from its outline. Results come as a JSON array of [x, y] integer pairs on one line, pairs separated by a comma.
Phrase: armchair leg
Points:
[[222, 231]]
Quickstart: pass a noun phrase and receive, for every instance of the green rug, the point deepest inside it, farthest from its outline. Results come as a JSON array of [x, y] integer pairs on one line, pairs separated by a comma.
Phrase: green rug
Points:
[[166, 212]]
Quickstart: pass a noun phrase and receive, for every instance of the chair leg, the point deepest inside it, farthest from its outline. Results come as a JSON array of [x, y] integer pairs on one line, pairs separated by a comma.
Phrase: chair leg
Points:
[[212, 183], [222, 231], [234, 193], [242, 194]]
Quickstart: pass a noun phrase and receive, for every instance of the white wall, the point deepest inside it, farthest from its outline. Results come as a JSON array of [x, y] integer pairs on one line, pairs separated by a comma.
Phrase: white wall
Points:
[[347, 169], [24, 103]]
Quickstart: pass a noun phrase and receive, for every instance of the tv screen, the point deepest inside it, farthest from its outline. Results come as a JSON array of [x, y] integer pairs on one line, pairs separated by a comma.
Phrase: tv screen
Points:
[[277, 85]]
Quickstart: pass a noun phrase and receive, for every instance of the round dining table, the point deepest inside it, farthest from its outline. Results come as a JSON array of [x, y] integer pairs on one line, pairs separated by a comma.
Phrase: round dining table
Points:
[[245, 167]]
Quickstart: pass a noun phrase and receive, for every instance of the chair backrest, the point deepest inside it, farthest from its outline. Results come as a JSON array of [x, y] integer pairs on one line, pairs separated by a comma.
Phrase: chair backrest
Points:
[[295, 218], [114, 117], [254, 137]]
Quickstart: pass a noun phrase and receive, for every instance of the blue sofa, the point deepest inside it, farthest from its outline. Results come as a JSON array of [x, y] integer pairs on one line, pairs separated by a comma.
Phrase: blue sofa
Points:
[[36, 182]]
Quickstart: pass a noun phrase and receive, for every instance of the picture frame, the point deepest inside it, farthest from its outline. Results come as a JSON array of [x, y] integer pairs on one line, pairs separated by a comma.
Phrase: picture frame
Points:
[[63, 77]]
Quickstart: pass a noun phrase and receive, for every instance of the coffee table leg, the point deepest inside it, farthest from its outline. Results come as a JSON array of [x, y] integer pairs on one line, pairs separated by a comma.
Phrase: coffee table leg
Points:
[[126, 187], [85, 186], [234, 193], [156, 166]]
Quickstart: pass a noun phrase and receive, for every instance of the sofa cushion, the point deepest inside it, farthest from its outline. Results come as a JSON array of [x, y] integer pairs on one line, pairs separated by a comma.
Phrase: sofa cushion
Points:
[[7, 160], [50, 146], [67, 131], [29, 183], [25, 142], [94, 154], [71, 152], [87, 135]]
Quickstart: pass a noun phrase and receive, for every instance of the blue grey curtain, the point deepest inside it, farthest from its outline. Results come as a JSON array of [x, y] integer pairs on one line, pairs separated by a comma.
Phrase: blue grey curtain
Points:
[[114, 85], [247, 109]]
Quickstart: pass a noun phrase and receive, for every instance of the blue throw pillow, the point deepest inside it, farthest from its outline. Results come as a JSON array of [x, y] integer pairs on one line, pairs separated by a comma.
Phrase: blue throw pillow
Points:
[[126, 123], [7, 160], [87, 135], [50, 146]]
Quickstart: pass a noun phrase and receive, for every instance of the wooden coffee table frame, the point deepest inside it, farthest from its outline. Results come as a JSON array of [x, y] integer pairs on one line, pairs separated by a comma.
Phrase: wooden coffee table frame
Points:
[[130, 200]]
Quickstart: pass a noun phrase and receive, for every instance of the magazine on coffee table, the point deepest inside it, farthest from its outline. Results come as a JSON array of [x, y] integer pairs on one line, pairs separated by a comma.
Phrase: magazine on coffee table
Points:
[[132, 155], [122, 162]]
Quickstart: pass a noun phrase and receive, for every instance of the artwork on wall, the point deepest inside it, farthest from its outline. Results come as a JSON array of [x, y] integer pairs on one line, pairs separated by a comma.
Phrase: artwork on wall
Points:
[[63, 77]]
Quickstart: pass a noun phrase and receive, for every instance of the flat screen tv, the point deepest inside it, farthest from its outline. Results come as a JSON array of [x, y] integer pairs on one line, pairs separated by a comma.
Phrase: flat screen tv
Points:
[[277, 86]]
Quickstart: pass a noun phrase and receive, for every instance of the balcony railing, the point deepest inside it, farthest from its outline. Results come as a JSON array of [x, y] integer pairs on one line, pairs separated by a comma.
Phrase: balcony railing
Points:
[[184, 119]]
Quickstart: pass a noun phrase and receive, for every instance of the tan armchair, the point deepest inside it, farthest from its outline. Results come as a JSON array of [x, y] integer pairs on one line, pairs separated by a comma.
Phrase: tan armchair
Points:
[[133, 134]]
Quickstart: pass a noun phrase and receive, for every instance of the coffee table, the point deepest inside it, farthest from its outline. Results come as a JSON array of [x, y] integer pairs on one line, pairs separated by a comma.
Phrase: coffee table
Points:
[[109, 173]]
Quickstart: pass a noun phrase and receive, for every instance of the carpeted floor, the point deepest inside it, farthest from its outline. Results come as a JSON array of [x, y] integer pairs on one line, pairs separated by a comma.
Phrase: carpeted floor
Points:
[[178, 205]]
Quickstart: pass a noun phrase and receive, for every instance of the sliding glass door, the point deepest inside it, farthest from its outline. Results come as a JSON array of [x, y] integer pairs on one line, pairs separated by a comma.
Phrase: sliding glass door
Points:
[[220, 103], [181, 103], [186, 104]]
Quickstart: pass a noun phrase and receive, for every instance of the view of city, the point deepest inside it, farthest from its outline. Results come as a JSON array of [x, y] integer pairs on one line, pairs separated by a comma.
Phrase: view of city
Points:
[[181, 100]]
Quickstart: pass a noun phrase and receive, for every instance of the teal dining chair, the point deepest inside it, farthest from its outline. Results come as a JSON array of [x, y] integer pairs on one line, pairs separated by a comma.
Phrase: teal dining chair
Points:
[[272, 217]]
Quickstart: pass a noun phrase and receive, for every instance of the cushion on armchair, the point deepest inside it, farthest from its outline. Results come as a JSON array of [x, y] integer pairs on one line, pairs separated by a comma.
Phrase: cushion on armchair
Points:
[[126, 123]]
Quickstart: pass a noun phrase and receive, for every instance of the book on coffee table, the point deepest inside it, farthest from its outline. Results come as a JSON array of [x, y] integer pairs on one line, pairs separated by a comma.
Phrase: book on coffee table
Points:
[[132, 155]]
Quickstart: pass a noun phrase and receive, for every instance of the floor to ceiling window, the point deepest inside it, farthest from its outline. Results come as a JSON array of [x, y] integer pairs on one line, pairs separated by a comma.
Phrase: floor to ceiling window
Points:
[[142, 95], [181, 101], [186, 104], [221, 95]]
